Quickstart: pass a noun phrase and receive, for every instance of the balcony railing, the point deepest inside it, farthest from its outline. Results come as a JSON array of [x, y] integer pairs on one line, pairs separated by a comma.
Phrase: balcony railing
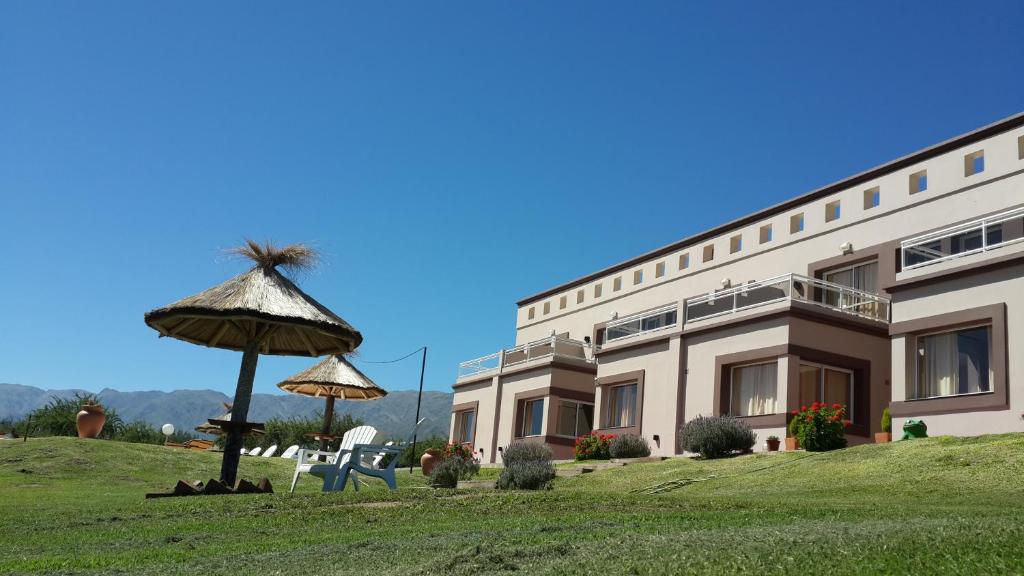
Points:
[[643, 323], [546, 347], [963, 240], [788, 287]]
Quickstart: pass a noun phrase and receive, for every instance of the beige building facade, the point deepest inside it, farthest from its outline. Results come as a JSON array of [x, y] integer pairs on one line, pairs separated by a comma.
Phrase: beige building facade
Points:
[[899, 287]]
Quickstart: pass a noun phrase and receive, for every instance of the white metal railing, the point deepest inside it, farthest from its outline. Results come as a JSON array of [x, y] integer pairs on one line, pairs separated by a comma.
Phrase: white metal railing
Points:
[[642, 323], [788, 287], [478, 365], [963, 240], [545, 347]]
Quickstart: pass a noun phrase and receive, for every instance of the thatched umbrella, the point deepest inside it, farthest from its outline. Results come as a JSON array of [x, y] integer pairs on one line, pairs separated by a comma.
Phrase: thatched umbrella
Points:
[[258, 312], [333, 378], [215, 426]]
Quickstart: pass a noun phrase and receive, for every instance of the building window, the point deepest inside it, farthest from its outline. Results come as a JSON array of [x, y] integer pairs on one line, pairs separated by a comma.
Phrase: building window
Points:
[[1020, 148], [638, 277], [621, 406], [580, 294], [597, 290], [562, 302], [709, 253], [574, 418], [796, 223], [531, 418], [753, 389], [547, 307], [918, 181], [872, 197], [531, 313], [465, 422], [974, 163], [735, 244], [684, 261], [832, 211], [659, 269], [766, 234], [617, 284], [826, 384], [954, 363], [863, 277]]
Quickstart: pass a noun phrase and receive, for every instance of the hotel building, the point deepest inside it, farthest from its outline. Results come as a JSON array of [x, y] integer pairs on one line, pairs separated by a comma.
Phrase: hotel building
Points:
[[899, 287]]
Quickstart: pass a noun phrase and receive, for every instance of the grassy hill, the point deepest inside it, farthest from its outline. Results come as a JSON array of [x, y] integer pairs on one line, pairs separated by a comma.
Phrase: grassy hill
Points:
[[941, 505]]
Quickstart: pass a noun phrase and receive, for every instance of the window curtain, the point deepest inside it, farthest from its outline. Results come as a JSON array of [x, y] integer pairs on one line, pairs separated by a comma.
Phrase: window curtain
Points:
[[622, 406], [465, 427], [939, 365], [753, 389], [533, 417]]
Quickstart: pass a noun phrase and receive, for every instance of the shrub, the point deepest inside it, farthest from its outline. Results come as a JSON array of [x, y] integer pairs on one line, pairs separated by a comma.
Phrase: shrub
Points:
[[527, 467], [821, 427], [629, 446], [593, 446], [524, 451], [716, 436], [58, 417], [526, 475], [458, 463], [288, 431], [886, 420]]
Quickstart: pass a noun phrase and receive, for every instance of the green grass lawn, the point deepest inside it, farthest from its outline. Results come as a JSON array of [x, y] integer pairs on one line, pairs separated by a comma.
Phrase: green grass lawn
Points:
[[935, 506]]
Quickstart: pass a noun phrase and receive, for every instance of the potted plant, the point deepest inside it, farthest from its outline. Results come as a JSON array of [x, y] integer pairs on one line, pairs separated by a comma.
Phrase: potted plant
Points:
[[430, 458], [773, 443], [90, 420], [886, 434], [791, 432]]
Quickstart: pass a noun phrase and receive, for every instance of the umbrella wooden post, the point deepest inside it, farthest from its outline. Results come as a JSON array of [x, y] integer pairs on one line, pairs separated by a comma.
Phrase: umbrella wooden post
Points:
[[328, 419], [239, 412]]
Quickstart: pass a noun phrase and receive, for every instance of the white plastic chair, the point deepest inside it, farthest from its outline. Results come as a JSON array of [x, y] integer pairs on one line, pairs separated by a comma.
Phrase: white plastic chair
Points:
[[307, 461], [290, 451], [255, 451], [242, 452], [270, 451]]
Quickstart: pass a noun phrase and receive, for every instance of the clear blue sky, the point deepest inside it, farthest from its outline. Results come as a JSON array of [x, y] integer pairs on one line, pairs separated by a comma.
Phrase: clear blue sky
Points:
[[448, 158]]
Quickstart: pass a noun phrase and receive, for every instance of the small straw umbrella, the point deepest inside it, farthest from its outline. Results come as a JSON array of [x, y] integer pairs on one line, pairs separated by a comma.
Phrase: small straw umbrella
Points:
[[258, 312], [333, 378], [215, 427]]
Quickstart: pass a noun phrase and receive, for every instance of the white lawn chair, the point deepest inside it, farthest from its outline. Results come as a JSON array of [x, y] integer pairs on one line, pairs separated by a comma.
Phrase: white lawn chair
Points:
[[380, 455], [308, 459], [255, 451], [290, 451], [242, 452], [270, 451]]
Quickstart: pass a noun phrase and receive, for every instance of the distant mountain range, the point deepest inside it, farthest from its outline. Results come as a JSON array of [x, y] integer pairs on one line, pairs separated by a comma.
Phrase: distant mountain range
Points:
[[393, 415]]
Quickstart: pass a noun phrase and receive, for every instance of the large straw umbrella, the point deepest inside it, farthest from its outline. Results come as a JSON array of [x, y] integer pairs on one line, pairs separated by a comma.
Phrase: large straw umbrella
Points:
[[334, 378], [258, 312]]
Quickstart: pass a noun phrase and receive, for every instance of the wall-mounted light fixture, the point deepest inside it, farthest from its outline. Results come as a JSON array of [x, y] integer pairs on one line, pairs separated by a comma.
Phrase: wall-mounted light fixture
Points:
[[846, 248]]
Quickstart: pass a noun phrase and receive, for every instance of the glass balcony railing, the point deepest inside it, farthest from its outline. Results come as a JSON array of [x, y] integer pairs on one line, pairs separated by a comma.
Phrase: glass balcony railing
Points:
[[642, 323], [963, 240], [549, 347], [788, 287]]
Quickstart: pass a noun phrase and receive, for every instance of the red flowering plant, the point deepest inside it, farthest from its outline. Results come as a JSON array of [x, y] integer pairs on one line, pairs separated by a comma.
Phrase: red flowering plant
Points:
[[821, 427], [593, 446], [461, 451]]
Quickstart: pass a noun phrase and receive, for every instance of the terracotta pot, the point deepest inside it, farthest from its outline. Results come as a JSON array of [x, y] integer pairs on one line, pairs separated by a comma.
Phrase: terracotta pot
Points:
[[90, 421], [429, 459], [792, 444], [883, 437], [773, 445]]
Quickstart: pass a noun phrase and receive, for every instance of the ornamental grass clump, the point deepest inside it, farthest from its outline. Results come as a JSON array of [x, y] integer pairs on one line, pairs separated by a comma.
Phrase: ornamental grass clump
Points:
[[593, 446], [821, 427], [457, 463], [629, 446], [527, 467], [716, 436]]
